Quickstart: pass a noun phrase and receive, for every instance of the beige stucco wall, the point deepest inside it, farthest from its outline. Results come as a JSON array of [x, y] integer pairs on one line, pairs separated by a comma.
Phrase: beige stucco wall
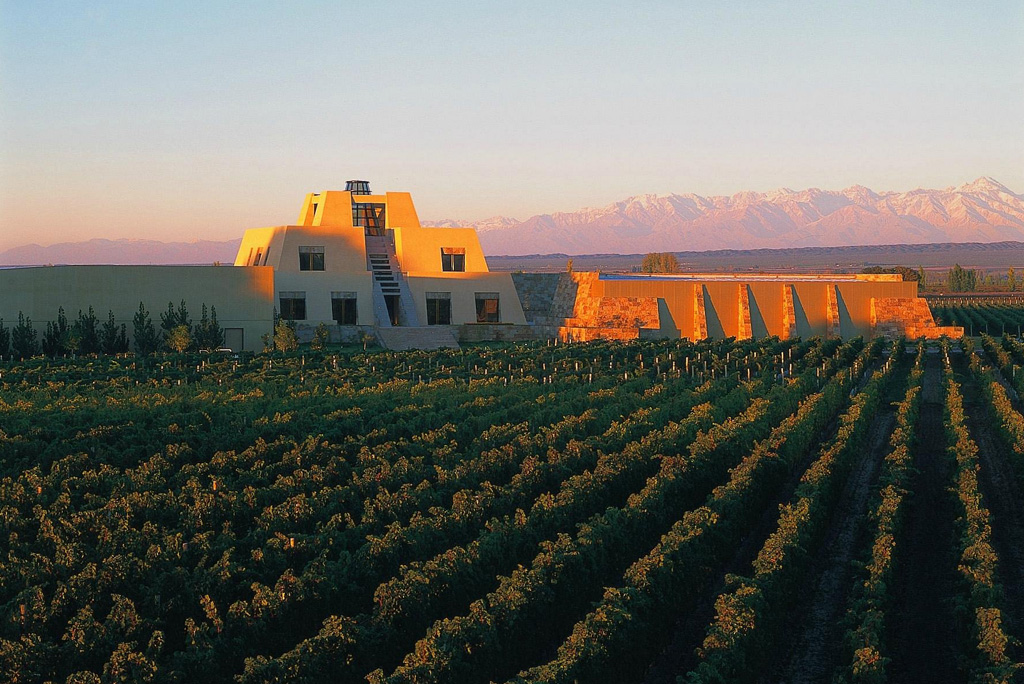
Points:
[[318, 286], [464, 287], [344, 247], [419, 249], [243, 295]]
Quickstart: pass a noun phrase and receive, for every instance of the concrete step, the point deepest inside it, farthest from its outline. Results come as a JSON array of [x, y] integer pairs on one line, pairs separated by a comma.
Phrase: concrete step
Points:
[[421, 337]]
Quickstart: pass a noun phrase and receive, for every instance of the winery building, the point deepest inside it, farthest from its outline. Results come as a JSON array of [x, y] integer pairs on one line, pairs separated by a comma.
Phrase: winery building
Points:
[[362, 264]]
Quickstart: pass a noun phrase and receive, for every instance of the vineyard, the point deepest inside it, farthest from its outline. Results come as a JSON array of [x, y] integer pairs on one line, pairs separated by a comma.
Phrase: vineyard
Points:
[[655, 511], [990, 315]]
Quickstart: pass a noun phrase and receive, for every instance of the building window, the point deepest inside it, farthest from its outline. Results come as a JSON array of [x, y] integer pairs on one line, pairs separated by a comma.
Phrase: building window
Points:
[[266, 256], [343, 307], [249, 260], [369, 215], [439, 308], [259, 253], [453, 258], [487, 307], [293, 306], [311, 258]]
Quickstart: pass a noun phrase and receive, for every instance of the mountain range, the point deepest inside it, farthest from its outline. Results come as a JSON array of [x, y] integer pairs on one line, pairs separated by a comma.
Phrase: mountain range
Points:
[[982, 211]]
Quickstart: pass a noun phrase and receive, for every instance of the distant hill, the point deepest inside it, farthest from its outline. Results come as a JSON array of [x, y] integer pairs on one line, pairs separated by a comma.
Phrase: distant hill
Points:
[[982, 211], [100, 251]]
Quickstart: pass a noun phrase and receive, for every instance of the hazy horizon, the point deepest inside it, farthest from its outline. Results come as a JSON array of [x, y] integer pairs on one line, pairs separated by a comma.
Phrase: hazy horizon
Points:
[[189, 121]]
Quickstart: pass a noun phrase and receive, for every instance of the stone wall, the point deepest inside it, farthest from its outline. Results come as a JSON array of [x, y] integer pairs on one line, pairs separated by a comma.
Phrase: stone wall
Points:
[[910, 316]]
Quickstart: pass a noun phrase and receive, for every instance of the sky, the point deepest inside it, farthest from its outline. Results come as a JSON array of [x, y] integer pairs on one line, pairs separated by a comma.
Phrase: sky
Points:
[[185, 121]]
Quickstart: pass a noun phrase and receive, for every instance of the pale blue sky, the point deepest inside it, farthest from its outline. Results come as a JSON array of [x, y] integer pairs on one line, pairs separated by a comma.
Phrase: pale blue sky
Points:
[[196, 120]]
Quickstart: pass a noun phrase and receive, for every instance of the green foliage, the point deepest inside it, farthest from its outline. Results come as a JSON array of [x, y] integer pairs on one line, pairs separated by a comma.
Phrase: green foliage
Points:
[[208, 334], [85, 330], [961, 279], [285, 339], [113, 337], [416, 516], [5, 340], [173, 318], [908, 274], [179, 339], [321, 336], [55, 339], [144, 334], [23, 338], [660, 262]]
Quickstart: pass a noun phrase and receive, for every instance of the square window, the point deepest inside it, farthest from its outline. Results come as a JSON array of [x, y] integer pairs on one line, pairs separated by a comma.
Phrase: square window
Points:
[[453, 259], [293, 306], [487, 307], [439, 308], [311, 258]]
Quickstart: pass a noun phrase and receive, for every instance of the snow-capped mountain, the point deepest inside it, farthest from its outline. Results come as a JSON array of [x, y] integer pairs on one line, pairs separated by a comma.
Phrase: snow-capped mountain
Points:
[[982, 211]]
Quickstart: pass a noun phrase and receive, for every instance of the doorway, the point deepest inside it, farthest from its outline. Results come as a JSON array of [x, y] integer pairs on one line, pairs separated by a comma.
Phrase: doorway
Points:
[[392, 303]]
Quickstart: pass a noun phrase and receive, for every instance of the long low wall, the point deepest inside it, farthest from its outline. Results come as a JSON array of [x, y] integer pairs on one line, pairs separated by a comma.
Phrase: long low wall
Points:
[[697, 306], [243, 296]]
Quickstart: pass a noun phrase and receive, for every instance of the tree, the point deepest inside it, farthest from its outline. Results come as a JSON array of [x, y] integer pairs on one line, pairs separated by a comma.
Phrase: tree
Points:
[[1011, 279], [5, 340], [908, 274], [113, 338], [146, 340], [321, 336], [660, 262], [568, 266], [172, 318], [209, 334], [23, 338], [962, 279], [55, 339], [285, 338], [86, 328], [179, 339], [921, 276]]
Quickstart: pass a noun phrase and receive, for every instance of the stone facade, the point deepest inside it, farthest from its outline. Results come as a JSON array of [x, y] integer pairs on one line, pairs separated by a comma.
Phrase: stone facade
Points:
[[891, 316]]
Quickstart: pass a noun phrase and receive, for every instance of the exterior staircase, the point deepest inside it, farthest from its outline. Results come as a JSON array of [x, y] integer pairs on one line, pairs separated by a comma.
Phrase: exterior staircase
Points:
[[422, 337], [382, 262]]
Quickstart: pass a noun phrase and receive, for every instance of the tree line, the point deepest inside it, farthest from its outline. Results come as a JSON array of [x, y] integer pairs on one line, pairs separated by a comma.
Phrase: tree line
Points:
[[87, 335]]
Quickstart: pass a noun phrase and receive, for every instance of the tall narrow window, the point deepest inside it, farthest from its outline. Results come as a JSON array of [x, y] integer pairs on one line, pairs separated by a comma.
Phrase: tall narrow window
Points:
[[439, 308], [311, 258], [453, 258], [293, 305], [259, 253], [343, 307], [266, 256], [249, 260], [487, 307]]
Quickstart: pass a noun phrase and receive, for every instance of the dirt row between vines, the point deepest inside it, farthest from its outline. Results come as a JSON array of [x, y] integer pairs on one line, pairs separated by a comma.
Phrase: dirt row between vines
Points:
[[816, 621], [1002, 496], [921, 634], [679, 656]]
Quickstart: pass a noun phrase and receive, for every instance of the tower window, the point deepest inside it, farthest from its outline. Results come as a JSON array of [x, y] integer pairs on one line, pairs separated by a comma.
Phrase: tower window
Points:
[[453, 258], [343, 308], [372, 216], [293, 305], [311, 258], [439, 308], [487, 307]]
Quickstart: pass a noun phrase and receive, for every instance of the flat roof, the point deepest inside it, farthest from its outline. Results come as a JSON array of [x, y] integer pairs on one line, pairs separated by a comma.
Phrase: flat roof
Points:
[[759, 277]]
